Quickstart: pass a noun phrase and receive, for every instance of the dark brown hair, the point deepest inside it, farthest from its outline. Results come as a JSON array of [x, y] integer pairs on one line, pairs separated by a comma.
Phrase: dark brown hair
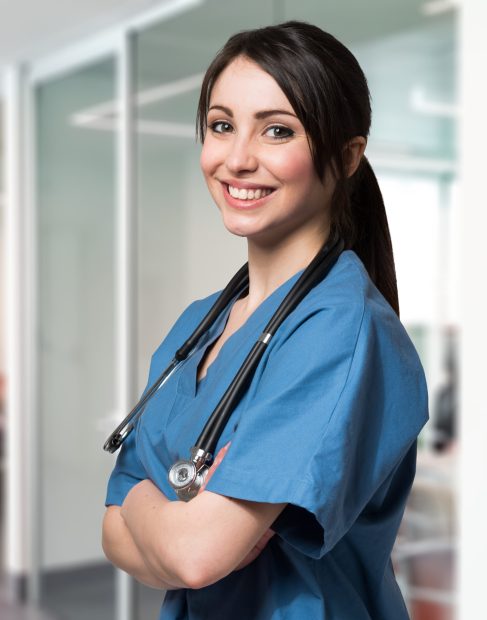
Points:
[[328, 91]]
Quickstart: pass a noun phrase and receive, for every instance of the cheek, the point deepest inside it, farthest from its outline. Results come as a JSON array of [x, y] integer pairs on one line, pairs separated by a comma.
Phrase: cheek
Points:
[[205, 160], [211, 156], [293, 166]]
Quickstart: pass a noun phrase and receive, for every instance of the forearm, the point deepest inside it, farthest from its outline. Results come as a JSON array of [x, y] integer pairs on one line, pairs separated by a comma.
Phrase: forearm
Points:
[[145, 513], [120, 548], [173, 546]]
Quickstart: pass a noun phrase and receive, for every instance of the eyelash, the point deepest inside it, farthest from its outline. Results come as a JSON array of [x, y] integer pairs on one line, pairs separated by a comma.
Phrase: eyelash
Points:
[[290, 132]]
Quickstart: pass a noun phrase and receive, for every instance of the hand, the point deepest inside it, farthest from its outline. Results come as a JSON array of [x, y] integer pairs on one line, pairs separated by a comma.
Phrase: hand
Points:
[[260, 545]]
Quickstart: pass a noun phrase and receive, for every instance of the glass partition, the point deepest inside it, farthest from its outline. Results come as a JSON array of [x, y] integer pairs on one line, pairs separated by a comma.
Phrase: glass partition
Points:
[[76, 277], [409, 54]]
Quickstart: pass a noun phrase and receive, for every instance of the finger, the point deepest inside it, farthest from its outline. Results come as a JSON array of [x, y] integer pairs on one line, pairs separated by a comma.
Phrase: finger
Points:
[[218, 459], [221, 455]]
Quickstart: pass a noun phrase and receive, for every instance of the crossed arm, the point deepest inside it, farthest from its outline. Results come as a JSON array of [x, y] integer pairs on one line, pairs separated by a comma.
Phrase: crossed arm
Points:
[[172, 544]]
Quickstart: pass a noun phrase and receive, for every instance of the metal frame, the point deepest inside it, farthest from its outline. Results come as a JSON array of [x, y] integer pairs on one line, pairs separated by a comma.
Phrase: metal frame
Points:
[[105, 42]]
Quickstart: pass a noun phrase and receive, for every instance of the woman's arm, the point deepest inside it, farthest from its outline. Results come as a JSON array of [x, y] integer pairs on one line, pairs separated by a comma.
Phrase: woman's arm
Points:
[[119, 547], [201, 541], [195, 543], [260, 545]]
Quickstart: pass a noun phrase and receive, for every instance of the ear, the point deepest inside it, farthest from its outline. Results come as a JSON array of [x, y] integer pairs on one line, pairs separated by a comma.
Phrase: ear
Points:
[[353, 150]]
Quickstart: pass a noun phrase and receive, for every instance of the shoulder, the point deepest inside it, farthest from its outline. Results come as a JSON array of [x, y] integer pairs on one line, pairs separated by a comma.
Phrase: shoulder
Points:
[[346, 314], [383, 353], [350, 343], [347, 284], [337, 306], [349, 295]]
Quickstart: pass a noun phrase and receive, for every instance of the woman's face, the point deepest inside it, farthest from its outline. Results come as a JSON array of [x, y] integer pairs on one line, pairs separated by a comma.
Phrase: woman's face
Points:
[[257, 161]]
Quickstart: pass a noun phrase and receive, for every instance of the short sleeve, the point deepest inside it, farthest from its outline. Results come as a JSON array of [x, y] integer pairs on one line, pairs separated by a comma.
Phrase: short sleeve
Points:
[[335, 408], [129, 470]]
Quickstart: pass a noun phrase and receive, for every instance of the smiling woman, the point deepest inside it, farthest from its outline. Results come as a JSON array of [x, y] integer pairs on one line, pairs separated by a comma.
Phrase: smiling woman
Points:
[[300, 508]]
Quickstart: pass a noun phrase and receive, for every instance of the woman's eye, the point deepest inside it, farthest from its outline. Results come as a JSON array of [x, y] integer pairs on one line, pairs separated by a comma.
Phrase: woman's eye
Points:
[[221, 127], [279, 132]]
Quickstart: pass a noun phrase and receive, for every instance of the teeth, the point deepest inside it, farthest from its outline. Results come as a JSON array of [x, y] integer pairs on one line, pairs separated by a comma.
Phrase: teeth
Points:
[[248, 194]]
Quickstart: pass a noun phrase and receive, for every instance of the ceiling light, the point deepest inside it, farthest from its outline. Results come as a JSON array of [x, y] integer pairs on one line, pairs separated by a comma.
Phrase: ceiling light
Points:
[[437, 7]]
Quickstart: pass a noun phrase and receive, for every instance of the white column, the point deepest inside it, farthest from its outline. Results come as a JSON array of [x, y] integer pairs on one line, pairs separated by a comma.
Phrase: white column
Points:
[[126, 269], [472, 475], [21, 518]]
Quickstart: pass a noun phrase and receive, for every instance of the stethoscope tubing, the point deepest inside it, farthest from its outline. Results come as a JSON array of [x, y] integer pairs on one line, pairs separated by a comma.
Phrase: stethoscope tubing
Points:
[[239, 282], [209, 436], [314, 273]]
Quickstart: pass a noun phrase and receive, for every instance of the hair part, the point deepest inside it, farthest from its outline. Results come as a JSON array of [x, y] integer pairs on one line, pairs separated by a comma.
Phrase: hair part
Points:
[[328, 91]]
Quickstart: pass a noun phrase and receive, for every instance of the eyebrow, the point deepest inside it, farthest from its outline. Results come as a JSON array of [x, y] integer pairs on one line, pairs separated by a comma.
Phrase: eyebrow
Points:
[[258, 115]]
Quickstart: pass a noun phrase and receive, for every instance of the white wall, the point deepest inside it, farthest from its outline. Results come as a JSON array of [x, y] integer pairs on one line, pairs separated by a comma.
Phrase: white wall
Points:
[[473, 461]]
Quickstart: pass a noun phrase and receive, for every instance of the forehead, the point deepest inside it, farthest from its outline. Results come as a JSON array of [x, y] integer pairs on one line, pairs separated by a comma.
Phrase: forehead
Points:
[[244, 84]]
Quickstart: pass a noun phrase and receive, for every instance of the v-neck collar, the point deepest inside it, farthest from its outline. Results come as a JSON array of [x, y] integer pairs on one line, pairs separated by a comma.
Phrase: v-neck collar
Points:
[[188, 383]]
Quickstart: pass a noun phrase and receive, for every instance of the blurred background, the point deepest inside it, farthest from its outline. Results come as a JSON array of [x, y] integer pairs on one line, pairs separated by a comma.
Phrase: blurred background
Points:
[[107, 232]]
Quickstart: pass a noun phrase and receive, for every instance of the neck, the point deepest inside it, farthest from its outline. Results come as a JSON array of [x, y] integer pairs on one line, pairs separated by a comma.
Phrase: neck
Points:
[[270, 265]]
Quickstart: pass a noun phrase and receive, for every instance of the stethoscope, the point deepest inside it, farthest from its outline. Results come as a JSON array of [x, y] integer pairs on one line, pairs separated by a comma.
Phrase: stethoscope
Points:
[[187, 476]]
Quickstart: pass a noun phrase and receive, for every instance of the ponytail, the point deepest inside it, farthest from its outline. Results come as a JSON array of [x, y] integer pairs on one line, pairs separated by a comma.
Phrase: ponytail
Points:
[[360, 218]]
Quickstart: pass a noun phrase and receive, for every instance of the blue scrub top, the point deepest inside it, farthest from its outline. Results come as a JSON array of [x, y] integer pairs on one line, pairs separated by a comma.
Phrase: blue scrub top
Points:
[[329, 425]]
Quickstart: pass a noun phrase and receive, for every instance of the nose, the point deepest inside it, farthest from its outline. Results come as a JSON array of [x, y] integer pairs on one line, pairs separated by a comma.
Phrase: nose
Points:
[[242, 155]]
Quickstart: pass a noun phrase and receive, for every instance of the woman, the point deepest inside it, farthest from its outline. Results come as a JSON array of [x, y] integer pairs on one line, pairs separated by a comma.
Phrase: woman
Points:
[[302, 505]]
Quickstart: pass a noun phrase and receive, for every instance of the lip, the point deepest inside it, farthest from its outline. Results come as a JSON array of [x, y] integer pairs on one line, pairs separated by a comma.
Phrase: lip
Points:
[[244, 205], [245, 184]]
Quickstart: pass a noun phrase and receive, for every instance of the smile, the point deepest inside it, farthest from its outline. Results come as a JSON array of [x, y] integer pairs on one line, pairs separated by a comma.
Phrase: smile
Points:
[[246, 198], [248, 194]]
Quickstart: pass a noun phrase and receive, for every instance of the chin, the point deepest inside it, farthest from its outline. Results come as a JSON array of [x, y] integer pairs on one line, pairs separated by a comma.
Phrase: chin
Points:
[[238, 226], [239, 231]]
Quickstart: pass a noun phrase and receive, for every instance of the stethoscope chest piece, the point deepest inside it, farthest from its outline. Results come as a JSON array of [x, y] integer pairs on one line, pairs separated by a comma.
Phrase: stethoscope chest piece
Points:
[[187, 476]]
